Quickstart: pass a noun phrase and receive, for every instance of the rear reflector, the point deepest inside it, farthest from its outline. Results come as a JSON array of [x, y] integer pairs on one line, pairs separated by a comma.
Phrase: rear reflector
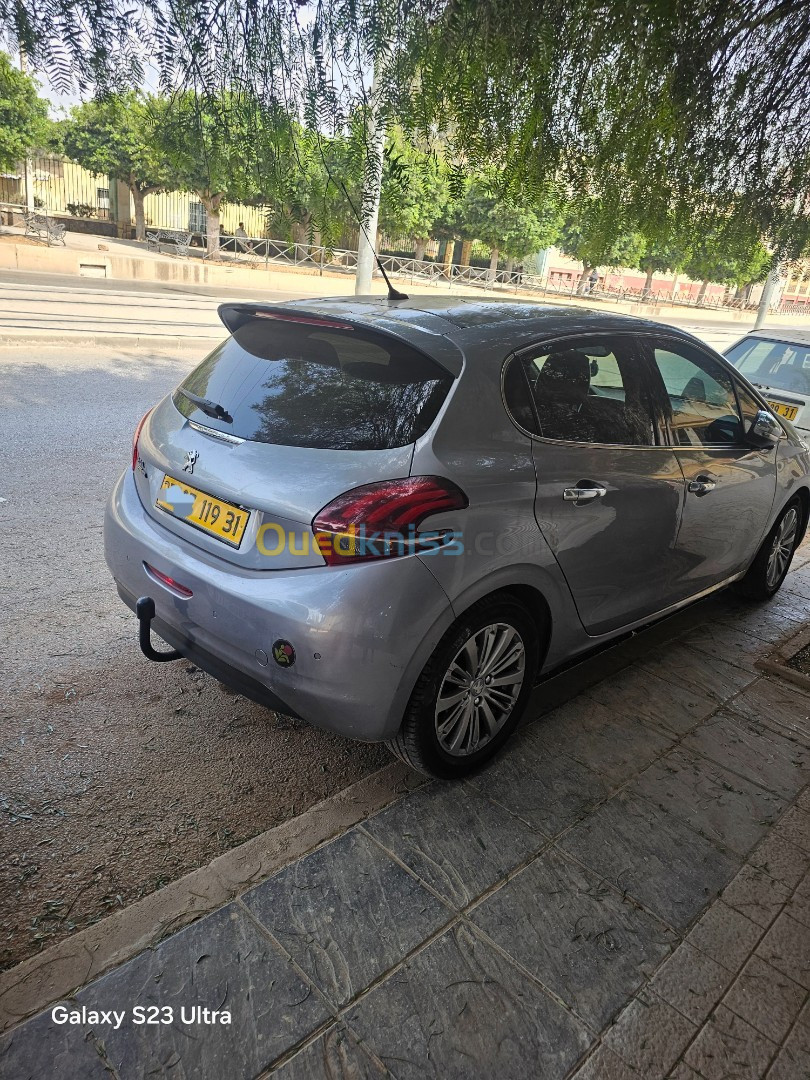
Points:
[[170, 583]]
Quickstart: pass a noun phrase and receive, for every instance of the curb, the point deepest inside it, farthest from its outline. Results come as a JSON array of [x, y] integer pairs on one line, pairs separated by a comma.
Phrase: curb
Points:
[[61, 970]]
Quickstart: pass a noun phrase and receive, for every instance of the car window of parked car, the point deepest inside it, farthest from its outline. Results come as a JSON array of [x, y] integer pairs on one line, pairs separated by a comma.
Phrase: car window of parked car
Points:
[[780, 364], [593, 390], [702, 405]]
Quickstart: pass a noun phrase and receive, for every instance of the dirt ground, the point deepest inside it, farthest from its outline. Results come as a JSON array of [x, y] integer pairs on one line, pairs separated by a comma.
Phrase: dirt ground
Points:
[[800, 661], [113, 788]]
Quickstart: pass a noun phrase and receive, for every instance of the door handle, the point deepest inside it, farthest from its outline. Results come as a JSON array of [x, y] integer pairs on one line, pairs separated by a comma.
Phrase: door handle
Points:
[[582, 494], [702, 485]]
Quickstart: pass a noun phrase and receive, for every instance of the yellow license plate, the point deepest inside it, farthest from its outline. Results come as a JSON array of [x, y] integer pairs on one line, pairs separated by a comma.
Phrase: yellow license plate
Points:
[[790, 412], [221, 519]]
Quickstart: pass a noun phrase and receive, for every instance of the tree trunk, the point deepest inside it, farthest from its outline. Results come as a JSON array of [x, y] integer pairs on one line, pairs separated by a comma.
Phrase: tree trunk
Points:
[[702, 294], [421, 245], [583, 278], [675, 286], [648, 284], [466, 251], [211, 204], [510, 265], [493, 263], [140, 217], [447, 262]]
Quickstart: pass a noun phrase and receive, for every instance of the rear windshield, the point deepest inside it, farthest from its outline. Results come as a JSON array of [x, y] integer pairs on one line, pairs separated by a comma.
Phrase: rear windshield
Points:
[[779, 364], [316, 386]]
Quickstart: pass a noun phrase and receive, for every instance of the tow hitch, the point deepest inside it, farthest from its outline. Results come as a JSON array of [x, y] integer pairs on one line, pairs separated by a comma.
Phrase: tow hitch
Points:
[[145, 611]]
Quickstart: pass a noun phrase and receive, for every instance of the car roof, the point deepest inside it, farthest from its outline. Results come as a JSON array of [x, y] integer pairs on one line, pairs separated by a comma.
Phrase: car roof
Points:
[[447, 327], [791, 335]]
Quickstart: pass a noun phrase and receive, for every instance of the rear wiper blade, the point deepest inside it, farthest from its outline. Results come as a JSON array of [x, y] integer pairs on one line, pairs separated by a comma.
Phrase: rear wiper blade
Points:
[[210, 408]]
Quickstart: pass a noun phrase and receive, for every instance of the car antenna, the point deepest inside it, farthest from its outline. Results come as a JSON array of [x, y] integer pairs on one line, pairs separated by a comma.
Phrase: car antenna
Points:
[[393, 294]]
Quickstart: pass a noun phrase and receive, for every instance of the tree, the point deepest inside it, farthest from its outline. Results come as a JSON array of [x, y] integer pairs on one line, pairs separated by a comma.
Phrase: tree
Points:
[[115, 135], [504, 225], [598, 236], [217, 148], [23, 115], [415, 190], [660, 258], [725, 257]]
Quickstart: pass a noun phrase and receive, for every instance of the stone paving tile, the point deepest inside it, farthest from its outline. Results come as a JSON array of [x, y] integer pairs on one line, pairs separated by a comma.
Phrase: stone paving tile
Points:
[[455, 839], [221, 961], [335, 1055], [650, 1036], [793, 1060], [786, 947], [757, 895], [459, 1009], [577, 936], [798, 906], [682, 1071], [803, 801], [728, 643], [663, 704], [781, 860], [728, 1047], [548, 791], [691, 982], [719, 804], [794, 827], [660, 861], [346, 913], [603, 1064], [41, 1049], [679, 664], [615, 744], [725, 934], [768, 1000], [754, 751], [777, 704]]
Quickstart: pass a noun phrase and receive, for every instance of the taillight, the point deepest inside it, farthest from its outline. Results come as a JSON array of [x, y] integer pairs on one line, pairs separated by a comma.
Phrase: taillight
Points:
[[381, 520], [135, 438]]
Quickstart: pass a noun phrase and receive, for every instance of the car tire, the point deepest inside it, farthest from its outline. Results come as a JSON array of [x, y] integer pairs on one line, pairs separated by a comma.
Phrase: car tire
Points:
[[497, 631], [772, 562]]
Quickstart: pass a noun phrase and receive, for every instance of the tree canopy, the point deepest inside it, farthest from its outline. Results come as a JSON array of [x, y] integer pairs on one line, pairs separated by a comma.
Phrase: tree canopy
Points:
[[660, 105], [23, 114]]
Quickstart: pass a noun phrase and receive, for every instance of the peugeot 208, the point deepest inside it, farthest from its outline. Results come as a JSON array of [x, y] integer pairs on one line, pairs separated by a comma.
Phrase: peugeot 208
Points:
[[389, 517]]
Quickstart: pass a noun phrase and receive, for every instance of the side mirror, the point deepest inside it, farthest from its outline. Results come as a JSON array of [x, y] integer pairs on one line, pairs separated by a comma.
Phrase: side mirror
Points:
[[765, 430]]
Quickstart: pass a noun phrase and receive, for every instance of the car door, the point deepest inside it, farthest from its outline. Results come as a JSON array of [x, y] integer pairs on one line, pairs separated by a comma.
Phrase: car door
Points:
[[730, 487], [609, 499]]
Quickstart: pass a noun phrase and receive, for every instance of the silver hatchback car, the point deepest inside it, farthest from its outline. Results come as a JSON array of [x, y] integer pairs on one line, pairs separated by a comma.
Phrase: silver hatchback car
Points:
[[389, 517]]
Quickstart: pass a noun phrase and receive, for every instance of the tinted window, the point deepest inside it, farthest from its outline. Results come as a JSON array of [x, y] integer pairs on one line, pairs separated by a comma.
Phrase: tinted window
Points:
[[316, 386], [592, 390], [773, 363], [516, 395], [700, 394]]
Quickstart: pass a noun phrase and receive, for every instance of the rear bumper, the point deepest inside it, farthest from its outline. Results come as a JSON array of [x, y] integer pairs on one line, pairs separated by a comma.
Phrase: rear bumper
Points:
[[361, 634]]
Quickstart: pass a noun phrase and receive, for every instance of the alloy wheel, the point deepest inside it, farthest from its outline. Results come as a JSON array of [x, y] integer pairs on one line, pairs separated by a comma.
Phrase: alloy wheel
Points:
[[479, 689], [782, 548]]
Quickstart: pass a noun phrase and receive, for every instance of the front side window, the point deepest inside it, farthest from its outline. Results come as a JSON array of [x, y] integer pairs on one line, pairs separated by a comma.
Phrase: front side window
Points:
[[592, 390], [702, 406], [779, 364]]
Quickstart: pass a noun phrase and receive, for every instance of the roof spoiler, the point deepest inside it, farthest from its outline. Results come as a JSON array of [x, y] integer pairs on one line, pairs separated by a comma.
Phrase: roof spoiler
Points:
[[234, 316]]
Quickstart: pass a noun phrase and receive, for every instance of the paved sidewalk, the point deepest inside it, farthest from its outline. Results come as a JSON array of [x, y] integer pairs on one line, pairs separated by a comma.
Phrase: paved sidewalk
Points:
[[625, 893]]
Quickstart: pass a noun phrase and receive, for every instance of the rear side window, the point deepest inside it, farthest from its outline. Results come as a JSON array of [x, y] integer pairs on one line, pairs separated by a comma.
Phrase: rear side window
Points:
[[592, 390], [316, 386]]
